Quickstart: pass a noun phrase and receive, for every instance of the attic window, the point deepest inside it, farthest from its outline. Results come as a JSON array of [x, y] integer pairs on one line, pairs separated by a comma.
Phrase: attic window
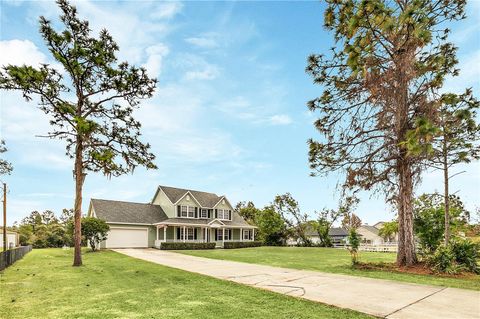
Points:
[[188, 197]]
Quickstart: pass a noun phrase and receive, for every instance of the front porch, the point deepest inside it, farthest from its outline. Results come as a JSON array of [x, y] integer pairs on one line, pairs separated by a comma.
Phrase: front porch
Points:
[[203, 234]]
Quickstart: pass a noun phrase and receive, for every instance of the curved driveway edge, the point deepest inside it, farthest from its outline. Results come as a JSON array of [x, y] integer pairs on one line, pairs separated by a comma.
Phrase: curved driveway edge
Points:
[[377, 297]]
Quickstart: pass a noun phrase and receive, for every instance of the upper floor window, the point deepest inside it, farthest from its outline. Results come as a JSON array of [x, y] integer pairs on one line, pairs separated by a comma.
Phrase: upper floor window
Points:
[[203, 213], [223, 214], [187, 211], [191, 212], [184, 211]]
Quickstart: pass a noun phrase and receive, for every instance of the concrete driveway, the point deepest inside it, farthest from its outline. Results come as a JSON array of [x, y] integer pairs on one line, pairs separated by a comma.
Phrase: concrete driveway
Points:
[[381, 298]]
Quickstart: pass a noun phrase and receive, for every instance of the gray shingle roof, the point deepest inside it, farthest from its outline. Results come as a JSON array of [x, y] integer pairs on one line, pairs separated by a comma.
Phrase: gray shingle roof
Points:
[[126, 212], [335, 231], [338, 231], [205, 199]]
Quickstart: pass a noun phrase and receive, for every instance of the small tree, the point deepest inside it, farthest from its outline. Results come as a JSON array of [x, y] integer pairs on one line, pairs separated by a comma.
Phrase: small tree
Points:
[[389, 230], [289, 210], [5, 167], [429, 219], [91, 107], [94, 230], [457, 141], [327, 217], [248, 211], [354, 243], [271, 227]]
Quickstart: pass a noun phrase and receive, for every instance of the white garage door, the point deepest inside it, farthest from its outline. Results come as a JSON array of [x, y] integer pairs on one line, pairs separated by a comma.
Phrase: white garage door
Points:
[[127, 238]]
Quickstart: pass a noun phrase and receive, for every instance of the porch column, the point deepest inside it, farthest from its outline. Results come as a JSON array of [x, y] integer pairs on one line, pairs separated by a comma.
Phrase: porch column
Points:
[[253, 234], [184, 233], [241, 235], [165, 233], [157, 233], [223, 235]]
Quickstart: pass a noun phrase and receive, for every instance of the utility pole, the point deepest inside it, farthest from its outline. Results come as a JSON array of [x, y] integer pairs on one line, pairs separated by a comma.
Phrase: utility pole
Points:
[[4, 216]]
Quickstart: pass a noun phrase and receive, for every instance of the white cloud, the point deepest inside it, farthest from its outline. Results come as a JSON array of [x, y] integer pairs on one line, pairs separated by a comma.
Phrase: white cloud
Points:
[[166, 10], [196, 67], [156, 53], [209, 72], [206, 41], [280, 119], [18, 52]]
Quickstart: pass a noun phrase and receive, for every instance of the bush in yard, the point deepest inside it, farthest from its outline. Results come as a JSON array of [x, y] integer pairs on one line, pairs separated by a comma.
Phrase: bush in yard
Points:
[[94, 230], [459, 255], [466, 253], [186, 246], [354, 243], [429, 220], [241, 244], [443, 261]]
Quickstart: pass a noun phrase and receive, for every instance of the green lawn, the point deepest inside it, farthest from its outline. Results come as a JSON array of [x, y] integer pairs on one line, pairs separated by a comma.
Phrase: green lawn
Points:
[[329, 260], [110, 285]]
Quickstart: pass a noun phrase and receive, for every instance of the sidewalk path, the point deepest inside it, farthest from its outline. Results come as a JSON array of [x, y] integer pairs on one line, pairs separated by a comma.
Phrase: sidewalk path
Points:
[[381, 298]]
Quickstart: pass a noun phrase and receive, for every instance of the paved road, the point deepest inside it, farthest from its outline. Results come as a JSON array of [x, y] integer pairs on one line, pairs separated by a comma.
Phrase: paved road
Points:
[[382, 298]]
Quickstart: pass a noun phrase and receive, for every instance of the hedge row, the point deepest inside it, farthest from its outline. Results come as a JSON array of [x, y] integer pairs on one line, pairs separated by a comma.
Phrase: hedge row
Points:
[[241, 244], [184, 246]]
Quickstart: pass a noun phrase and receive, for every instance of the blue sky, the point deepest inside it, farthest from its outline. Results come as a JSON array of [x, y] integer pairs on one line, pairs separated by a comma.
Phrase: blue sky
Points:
[[229, 114]]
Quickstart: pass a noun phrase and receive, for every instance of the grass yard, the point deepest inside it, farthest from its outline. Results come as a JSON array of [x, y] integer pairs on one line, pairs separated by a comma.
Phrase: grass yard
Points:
[[110, 285], [330, 260]]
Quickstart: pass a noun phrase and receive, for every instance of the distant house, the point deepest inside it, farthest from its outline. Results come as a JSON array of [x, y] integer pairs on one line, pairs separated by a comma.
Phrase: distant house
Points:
[[369, 235], [338, 236], [173, 215], [378, 225], [12, 239]]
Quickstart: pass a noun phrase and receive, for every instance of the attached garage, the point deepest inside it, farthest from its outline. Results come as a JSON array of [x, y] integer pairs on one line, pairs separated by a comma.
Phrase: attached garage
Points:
[[122, 237], [131, 224]]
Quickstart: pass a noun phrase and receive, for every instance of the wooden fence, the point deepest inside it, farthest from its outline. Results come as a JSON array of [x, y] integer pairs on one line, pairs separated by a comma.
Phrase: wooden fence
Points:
[[10, 256]]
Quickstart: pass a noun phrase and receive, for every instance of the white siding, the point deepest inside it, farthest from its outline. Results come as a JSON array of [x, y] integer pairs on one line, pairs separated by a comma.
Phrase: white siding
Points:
[[11, 240]]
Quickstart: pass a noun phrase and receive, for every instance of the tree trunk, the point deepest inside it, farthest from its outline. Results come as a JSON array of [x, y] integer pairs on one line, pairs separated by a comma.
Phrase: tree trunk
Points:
[[79, 178], [406, 246], [446, 191], [406, 255]]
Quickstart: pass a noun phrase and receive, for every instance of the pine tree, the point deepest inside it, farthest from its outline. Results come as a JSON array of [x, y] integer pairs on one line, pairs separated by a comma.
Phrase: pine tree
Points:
[[388, 58], [90, 106]]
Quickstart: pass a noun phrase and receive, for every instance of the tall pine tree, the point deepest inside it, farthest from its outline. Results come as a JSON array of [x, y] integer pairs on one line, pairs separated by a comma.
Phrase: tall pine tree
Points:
[[377, 81], [90, 105]]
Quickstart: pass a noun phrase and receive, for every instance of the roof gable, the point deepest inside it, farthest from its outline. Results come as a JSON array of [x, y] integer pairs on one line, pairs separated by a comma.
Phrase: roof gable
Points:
[[203, 198]]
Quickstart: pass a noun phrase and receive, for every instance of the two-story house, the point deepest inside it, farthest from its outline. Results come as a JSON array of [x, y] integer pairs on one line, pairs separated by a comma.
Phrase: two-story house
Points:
[[174, 214]]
